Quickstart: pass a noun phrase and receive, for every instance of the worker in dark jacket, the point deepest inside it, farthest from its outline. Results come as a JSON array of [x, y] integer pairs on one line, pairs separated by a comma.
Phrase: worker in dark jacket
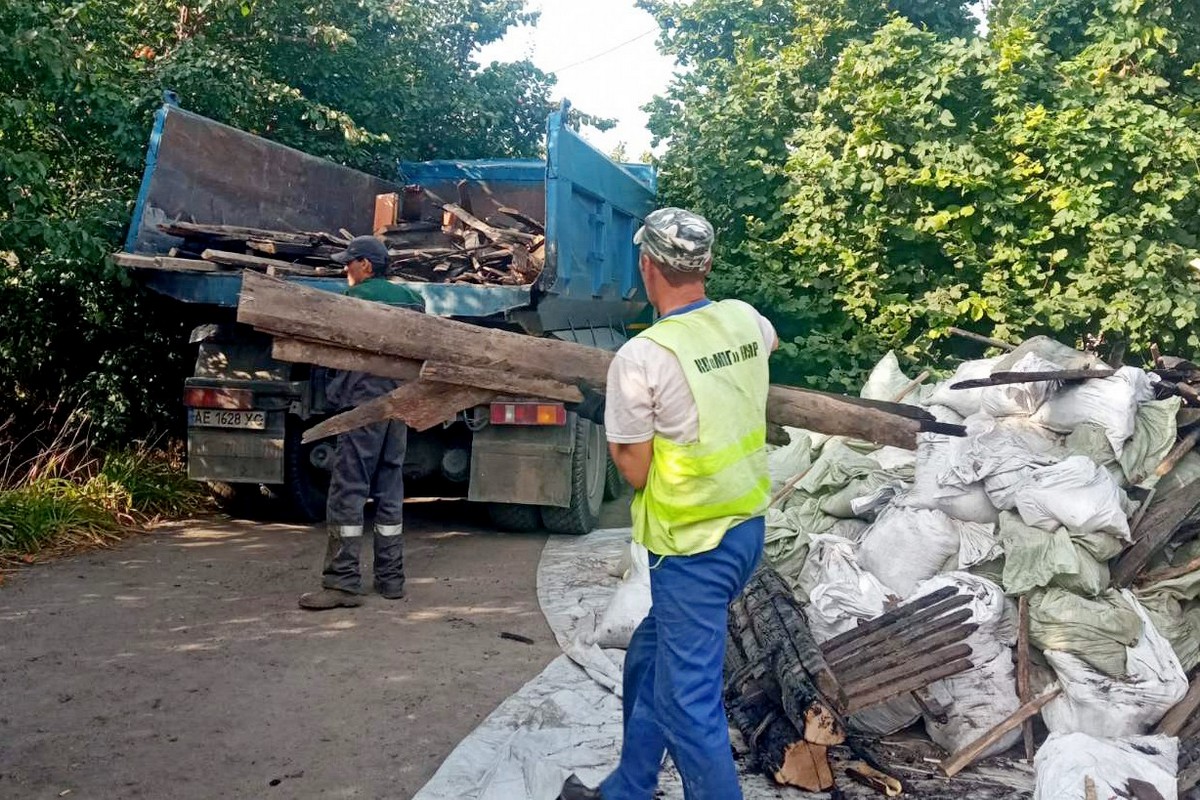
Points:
[[368, 461]]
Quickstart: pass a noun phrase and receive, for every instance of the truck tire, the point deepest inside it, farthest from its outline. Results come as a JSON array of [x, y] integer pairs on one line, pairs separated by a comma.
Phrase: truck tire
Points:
[[306, 486], [515, 517], [588, 471], [614, 484]]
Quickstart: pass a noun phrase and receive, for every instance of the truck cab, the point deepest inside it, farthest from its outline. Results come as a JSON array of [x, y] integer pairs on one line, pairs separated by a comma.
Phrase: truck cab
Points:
[[533, 462]]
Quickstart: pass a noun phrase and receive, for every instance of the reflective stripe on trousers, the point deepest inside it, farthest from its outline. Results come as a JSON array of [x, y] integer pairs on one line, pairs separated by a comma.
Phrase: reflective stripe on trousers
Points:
[[673, 673], [368, 463]]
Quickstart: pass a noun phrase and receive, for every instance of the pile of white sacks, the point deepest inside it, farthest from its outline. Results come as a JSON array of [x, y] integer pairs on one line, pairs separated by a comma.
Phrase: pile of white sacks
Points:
[[1033, 501]]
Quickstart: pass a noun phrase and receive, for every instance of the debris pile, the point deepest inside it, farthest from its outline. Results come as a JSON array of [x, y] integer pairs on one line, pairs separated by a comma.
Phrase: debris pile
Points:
[[508, 248], [1067, 518]]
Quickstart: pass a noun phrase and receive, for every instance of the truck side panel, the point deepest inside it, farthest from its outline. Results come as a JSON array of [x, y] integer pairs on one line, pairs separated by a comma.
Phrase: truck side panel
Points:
[[201, 170], [593, 208]]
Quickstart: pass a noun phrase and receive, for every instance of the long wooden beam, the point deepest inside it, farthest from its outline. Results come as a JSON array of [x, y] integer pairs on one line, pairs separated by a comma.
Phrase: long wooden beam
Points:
[[500, 381], [281, 308], [298, 351], [420, 405]]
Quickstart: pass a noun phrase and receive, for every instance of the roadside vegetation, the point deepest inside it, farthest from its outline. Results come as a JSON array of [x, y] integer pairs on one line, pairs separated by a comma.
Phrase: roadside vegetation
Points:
[[361, 82], [882, 170], [69, 497]]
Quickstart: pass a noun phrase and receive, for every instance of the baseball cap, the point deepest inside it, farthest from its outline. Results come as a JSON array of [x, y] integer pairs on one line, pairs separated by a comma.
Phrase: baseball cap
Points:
[[677, 238], [367, 247]]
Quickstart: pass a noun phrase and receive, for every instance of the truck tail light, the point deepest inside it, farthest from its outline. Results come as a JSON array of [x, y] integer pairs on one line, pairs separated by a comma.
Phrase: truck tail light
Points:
[[528, 413], [233, 399]]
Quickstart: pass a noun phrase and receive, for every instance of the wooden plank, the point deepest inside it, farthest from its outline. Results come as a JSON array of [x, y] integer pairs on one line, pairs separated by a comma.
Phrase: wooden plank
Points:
[[1174, 720], [186, 229], [861, 772], [1155, 531], [500, 381], [1169, 573], [246, 261], [882, 694], [522, 218], [298, 351], [298, 269], [873, 664], [1024, 692], [165, 263], [908, 618], [1181, 449], [1003, 378], [977, 337], [963, 758], [852, 636], [387, 207], [906, 669], [419, 404], [491, 232], [282, 308]]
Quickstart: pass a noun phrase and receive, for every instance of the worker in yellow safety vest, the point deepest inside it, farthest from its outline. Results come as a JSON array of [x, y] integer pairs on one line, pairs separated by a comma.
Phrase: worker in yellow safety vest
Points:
[[685, 417]]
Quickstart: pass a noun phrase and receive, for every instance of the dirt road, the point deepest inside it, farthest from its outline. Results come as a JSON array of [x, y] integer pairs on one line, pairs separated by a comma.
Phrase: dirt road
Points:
[[178, 665]]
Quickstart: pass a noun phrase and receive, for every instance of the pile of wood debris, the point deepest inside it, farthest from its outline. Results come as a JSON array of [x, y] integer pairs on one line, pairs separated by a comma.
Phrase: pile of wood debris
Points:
[[1140, 707], [506, 249]]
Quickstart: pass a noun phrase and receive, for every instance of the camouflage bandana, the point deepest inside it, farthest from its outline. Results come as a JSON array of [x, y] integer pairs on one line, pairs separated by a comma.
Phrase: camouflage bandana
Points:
[[677, 239]]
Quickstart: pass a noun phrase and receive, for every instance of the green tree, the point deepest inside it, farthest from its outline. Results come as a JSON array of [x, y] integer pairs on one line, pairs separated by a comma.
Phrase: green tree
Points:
[[750, 74], [1043, 179], [363, 82]]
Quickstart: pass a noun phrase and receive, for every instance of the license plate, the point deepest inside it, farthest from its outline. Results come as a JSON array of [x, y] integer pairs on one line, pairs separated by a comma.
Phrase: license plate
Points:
[[221, 418]]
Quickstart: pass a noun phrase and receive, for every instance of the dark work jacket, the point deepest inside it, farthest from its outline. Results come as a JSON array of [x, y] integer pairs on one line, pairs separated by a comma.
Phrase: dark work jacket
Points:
[[345, 388]]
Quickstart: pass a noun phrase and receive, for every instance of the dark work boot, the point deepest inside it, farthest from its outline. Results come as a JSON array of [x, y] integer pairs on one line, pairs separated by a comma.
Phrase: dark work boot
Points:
[[574, 789], [326, 599], [389, 561], [342, 557]]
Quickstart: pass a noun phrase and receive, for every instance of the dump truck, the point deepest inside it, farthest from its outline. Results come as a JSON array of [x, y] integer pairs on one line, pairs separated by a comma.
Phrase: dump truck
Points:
[[533, 463]]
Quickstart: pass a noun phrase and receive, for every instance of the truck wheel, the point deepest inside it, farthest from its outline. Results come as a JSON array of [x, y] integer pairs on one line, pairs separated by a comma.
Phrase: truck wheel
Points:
[[588, 470], [614, 484], [515, 517], [306, 484]]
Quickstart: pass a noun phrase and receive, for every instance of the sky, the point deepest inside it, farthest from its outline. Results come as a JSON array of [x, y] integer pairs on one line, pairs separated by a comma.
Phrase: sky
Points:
[[603, 54]]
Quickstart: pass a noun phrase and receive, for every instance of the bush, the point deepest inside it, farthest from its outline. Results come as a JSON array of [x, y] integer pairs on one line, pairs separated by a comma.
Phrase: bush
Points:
[[68, 498]]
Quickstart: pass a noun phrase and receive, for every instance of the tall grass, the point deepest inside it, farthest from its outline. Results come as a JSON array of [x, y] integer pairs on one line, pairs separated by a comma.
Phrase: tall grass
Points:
[[69, 496]]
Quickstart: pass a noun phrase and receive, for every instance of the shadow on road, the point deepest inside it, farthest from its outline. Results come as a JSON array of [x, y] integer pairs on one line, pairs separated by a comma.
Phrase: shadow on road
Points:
[[178, 665]]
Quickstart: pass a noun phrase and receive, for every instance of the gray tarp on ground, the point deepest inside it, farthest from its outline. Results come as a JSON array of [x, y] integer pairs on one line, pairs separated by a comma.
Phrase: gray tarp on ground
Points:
[[563, 721]]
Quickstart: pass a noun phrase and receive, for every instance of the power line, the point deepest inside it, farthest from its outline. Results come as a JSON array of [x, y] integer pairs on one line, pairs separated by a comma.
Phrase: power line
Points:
[[612, 49]]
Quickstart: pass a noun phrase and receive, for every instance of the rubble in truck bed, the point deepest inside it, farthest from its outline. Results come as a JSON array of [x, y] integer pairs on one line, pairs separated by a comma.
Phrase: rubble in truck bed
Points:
[[504, 248], [1026, 597]]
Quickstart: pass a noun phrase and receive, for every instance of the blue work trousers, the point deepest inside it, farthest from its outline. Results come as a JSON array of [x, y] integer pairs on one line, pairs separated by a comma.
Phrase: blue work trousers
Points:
[[673, 673]]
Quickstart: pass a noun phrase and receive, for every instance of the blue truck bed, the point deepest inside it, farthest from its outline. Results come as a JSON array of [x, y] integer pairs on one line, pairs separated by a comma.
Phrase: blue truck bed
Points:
[[199, 170]]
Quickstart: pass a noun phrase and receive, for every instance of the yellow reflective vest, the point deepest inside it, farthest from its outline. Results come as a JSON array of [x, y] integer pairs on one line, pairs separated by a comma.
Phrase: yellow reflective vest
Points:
[[695, 492]]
